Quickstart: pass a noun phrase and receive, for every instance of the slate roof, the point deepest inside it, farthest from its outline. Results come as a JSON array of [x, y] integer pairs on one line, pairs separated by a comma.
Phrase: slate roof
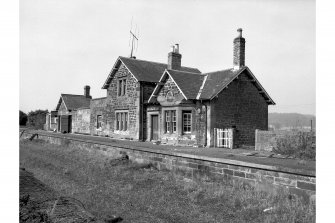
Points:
[[217, 81], [207, 85], [74, 102], [189, 83], [147, 71]]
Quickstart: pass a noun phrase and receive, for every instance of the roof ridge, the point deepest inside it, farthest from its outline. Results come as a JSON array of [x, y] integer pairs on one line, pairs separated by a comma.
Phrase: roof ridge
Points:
[[142, 60], [219, 71], [121, 57], [98, 98], [74, 95], [185, 71]]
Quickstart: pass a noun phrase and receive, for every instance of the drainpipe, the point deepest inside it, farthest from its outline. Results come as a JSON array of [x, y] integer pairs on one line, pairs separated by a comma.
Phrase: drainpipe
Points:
[[205, 116], [142, 111]]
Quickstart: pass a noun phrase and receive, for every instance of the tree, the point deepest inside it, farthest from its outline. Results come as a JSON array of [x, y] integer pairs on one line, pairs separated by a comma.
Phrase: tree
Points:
[[36, 119], [23, 118]]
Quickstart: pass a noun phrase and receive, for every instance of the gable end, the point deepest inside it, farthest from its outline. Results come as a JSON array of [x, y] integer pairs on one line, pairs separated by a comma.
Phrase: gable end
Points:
[[256, 83]]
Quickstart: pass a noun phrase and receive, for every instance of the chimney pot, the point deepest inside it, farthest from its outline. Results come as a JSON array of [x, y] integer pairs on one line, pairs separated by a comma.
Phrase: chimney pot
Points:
[[176, 48], [239, 30], [172, 48]]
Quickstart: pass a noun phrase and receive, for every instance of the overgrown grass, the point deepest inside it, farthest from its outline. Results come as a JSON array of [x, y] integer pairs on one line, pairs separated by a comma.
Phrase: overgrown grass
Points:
[[298, 145], [139, 193]]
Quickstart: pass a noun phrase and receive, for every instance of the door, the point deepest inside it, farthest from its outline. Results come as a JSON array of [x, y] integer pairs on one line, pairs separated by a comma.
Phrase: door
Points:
[[154, 127], [64, 124], [58, 123], [70, 124]]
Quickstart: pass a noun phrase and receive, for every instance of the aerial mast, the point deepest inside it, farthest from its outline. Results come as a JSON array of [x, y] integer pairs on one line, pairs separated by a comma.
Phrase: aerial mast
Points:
[[134, 39]]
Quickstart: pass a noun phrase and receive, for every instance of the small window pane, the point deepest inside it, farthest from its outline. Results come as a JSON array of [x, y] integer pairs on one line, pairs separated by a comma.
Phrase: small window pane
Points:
[[187, 122], [167, 121], [124, 87], [117, 121], [121, 125], [119, 87], [125, 121], [174, 121]]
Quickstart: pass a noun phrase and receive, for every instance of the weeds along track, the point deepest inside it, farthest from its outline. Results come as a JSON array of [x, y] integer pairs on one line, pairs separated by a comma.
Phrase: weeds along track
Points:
[[39, 203], [137, 192]]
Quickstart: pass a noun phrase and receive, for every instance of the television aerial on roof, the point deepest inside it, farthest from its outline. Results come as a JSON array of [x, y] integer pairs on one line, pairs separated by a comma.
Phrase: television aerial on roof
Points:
[[134, 36]]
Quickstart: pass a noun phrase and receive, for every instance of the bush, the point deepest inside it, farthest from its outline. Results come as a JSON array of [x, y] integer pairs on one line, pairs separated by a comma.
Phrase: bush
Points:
[[23, 118], [299, 145], [36, 119]]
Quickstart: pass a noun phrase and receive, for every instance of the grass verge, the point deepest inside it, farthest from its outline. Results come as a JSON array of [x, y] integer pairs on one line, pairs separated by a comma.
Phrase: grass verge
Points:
[[139, 193]]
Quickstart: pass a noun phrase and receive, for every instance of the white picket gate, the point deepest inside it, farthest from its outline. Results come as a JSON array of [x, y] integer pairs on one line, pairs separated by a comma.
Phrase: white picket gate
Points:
[[223, 138]]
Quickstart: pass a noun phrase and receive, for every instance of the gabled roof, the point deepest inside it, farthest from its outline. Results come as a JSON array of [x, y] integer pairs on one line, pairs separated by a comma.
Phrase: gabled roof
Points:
[[217, 81], [206, 86], [142, 70], [188, 83], [73, 102]]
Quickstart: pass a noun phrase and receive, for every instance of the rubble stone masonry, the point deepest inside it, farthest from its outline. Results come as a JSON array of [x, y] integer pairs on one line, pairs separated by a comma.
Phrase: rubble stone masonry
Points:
[[98, 107], [81, 121], [262, 177], [130, 102]]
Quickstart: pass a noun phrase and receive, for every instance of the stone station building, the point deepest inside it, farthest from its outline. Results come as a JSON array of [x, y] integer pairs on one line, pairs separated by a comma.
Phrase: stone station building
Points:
[[173, 104]]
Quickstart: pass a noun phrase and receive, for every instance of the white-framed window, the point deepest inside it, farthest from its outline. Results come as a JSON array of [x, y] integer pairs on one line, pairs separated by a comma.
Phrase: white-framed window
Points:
[[121, 120], [121, 87], [187, 122], [99, 121], [170, 121]]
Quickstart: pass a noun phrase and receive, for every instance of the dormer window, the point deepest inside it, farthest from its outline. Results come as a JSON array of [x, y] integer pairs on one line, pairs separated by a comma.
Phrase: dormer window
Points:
[[122, 87]]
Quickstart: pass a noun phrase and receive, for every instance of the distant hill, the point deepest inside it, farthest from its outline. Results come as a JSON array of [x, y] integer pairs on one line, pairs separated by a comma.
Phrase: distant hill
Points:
[[291, 120]]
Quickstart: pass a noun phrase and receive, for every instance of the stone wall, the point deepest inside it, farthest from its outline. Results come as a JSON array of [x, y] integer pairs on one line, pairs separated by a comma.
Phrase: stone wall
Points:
[[262, 177], [171, 98], [130, 102], [264, 140], [98, 107], [81, 121], [169, 86], [243, 107]]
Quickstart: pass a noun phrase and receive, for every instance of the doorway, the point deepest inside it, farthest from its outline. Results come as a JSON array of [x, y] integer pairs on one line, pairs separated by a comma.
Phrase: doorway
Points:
[[70, 124], [154, 127]]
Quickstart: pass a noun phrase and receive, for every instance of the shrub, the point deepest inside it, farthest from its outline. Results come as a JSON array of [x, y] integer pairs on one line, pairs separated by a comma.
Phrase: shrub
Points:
[[299, 145], [23, 118], [36, 119]]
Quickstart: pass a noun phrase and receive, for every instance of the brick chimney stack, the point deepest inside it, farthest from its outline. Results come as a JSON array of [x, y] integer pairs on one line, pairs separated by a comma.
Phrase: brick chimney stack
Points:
[[239, 51], [174, 58], [87, 91]]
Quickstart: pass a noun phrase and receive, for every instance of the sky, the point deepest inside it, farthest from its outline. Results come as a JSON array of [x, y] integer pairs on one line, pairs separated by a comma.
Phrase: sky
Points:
[[65, 45]]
